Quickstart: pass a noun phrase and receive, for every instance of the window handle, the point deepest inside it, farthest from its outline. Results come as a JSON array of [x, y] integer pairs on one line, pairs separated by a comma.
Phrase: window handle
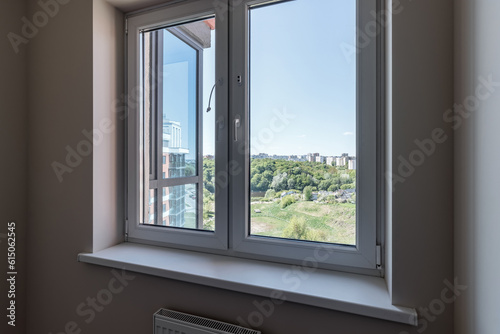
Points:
[[237, 124]]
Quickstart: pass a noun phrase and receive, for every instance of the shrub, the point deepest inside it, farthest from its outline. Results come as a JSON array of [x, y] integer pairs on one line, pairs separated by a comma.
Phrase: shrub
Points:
[[287, 200], [270, 193], [308, 193], [296, 229], [333, 187], [317, 235], [299, 230], [331, 198]]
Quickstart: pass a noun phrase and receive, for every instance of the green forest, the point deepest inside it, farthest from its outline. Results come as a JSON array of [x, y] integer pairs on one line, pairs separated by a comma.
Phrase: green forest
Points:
[[294, 199], [280, 175]]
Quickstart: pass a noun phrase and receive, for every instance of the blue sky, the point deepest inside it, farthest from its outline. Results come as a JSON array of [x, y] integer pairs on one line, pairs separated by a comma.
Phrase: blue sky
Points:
[[179, 88], [296, 64]]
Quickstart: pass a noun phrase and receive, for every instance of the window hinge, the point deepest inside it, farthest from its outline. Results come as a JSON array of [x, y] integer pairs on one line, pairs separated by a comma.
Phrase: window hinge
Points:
[[379, 257], [126, 26]]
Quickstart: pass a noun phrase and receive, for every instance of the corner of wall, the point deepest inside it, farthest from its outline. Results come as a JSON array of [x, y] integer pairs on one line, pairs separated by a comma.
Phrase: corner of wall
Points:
[[108, 122]]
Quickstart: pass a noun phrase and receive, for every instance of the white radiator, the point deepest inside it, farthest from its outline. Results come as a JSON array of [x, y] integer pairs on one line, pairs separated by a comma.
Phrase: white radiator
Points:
[[173, 322]]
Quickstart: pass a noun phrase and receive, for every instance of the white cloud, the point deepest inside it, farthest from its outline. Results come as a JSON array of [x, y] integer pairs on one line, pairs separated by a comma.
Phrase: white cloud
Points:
[[348, 133], [302, 136]]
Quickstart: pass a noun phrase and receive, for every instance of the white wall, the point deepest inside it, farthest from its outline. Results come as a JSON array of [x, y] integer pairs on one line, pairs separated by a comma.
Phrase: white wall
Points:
[[477, 160]]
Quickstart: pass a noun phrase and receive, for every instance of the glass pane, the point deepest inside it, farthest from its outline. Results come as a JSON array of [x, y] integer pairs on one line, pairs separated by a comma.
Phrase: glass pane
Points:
[[180, 208], [179, 205], [178, 65], [209, 128], [180, 102], [151, 208], [303, 121]]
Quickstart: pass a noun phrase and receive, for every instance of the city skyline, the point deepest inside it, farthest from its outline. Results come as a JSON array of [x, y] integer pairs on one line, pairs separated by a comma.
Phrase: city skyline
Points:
[[304, 155]]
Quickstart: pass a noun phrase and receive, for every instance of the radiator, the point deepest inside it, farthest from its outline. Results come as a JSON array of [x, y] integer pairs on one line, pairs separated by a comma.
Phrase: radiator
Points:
[[173, 322]]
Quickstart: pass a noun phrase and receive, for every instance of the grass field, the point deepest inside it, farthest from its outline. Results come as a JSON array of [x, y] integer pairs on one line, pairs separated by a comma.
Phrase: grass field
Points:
[[307, 220]]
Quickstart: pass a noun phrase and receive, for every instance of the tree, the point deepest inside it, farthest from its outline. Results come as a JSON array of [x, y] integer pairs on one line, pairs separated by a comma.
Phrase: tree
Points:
[[210, 187], [263, 185], [333, 187], [268, 175], [281, 175], [308, 193], [189, 171], [270, 193], [254, 182], [325, 184], [279, 182]]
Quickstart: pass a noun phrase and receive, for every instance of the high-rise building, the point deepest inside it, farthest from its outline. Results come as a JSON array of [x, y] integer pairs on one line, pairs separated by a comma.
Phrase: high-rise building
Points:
[[340, 161], [174, 165], [311, 157], [352, 164]]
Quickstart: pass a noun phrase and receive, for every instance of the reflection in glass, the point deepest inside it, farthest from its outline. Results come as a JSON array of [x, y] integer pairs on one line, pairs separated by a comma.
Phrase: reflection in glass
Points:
[[178, 135]]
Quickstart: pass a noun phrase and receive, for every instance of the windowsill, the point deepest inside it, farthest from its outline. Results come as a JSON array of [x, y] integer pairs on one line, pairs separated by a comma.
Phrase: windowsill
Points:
[[357, 294]]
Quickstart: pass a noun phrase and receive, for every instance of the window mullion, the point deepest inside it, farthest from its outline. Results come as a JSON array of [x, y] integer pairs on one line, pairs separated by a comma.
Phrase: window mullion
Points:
[[158, 104], [199, 127], [179, 181]]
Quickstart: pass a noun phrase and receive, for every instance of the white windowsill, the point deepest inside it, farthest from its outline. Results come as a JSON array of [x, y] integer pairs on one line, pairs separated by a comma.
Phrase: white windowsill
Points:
[[357, 294]]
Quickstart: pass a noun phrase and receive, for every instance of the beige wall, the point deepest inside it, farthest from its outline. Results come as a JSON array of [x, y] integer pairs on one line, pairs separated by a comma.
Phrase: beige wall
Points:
[[65, 99], [60, 107], [422, 207], [108, 115], [14, 158]]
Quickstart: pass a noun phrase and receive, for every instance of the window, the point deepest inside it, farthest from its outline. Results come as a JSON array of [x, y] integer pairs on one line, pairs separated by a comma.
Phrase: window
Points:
[[272, 155]]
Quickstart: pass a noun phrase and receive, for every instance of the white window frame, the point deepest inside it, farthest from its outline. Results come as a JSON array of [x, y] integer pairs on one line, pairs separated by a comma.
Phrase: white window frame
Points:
[[232, 229], [135, 231], [364, 254]]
